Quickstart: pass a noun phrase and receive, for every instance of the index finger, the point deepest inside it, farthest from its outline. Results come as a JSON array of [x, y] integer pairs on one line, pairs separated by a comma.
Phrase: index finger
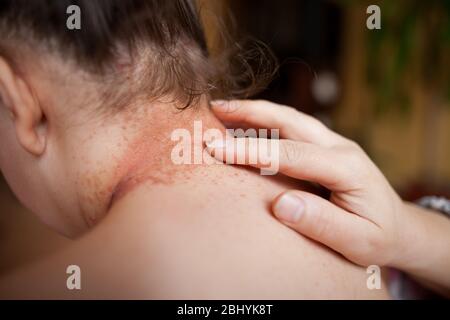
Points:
[[293, 124]]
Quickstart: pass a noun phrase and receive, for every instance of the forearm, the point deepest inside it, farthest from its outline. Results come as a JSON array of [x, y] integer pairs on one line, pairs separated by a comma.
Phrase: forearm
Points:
[[425, 247]]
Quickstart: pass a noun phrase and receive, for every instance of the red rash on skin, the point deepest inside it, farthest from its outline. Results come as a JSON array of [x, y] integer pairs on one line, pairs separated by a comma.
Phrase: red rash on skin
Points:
[[130, 160], [147, 157], [138, 151], [140, 163]]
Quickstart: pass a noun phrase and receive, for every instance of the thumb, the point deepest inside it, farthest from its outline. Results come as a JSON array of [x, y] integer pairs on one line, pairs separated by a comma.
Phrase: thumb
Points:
[[324, 222]]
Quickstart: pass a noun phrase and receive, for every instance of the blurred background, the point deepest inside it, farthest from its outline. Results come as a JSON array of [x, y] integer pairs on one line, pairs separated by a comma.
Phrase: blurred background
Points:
[[387, 89]]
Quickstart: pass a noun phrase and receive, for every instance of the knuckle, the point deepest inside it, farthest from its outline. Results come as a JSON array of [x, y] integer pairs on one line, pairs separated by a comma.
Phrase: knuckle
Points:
[[288, 114], [354, 159], [317, 123], [282, 111], [348, 145], [262, 101], [290, 110], [354, 145]]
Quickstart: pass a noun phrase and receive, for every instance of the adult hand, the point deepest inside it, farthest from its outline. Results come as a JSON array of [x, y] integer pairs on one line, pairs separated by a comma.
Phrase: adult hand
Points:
[[363, 217]]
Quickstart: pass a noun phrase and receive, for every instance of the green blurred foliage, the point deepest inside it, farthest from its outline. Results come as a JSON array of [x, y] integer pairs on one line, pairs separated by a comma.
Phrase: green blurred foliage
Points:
[[413, 43]]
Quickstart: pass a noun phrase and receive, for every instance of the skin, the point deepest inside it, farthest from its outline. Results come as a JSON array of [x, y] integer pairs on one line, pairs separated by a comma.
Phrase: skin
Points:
[[364, 220], [142, 226]]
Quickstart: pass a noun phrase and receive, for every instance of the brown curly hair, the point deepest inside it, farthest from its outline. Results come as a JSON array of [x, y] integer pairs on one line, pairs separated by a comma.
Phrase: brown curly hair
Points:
[[163, 41]]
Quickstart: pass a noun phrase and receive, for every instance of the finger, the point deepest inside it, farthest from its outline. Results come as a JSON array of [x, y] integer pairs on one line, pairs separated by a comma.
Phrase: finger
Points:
[[326, 223], [296, 159], [292, 123]]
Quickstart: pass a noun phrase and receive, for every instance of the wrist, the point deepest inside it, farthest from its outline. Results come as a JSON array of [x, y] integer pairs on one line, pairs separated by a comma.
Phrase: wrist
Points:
[[422, 249], [408, 237]]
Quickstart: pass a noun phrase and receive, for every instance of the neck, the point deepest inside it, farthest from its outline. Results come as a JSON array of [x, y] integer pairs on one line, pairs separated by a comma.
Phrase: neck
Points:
[[138, 146], [161, 154]]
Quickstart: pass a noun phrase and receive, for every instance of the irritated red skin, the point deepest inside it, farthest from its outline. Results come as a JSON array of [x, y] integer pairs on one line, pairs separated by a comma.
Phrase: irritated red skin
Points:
[[147, 155], [139, 164]]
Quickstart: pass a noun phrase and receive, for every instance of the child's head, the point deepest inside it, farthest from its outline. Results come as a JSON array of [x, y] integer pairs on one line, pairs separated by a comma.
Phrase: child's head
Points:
[[57, 86], [62, 88]]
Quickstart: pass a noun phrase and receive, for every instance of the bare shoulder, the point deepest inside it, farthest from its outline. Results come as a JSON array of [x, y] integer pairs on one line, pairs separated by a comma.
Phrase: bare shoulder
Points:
[[159, 248], [179, 250]]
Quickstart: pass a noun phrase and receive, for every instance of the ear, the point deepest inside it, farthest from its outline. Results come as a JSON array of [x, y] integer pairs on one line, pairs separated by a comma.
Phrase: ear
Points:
[[24, 108]]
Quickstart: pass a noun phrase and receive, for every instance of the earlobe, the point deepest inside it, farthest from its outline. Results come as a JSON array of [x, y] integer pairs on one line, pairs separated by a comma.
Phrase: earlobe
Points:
[[28, 117]]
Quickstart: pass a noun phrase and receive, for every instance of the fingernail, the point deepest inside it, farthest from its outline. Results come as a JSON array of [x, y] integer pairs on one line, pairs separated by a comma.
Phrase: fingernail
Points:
[[289, 208], [219, 104]]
